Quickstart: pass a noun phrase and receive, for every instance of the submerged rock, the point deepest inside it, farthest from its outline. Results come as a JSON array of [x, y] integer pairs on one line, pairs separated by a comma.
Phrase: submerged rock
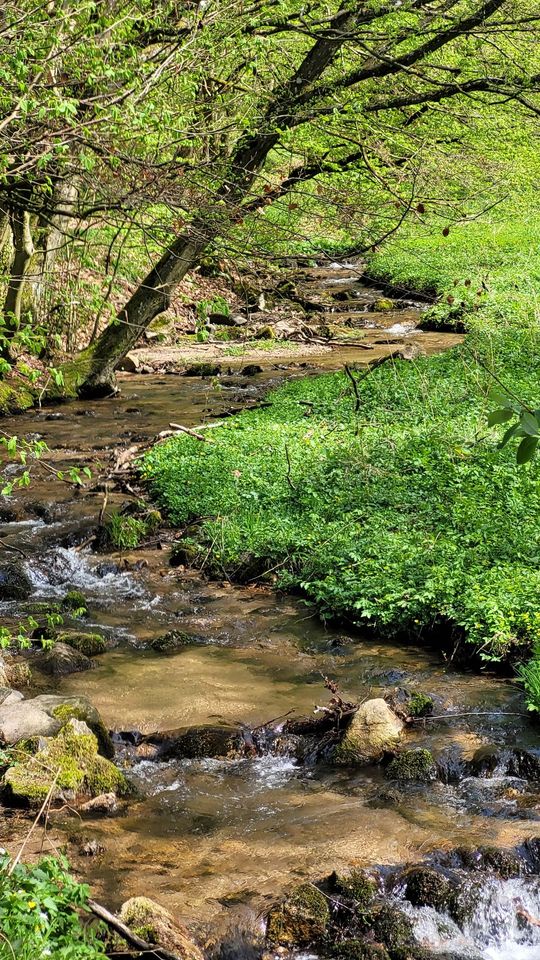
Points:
[[15, 583], [172, 641], [301, 919], [63, 659], [373, 731], [67, 762], [153, 923]]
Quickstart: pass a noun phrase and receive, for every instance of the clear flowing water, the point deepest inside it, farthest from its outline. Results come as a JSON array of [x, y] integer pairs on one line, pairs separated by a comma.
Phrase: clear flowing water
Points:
[[207, 835]]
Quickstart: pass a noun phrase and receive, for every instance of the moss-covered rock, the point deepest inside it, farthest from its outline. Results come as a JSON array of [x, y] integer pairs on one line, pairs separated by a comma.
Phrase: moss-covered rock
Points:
[[78, 708], [157, 926], [420, 705], [18, 672], [74, 600], [383, 304], [374, 730], [426, 887], [203, 370], [413, 765], [392, 928], [358, 885], [185, 553], [68, 762], [173, 641], [89, 644], [301, 919]]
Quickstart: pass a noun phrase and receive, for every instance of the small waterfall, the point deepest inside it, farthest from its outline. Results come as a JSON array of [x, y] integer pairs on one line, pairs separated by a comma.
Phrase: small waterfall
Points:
[[495, 930], [65, 568]]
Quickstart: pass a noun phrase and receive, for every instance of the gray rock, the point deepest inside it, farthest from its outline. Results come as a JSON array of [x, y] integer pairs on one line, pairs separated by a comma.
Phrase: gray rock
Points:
[[106, 804], [26, 719], [62, 660], [8, 696], [373, 731], [14, 582], [129, 364], [44, 716]]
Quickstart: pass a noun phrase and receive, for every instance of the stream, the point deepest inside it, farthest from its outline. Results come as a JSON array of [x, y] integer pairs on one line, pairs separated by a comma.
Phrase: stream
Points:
[[211, 839]]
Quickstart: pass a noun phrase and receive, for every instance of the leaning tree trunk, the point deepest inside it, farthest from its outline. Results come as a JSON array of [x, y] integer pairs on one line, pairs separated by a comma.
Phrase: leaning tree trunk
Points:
[[97, 365]]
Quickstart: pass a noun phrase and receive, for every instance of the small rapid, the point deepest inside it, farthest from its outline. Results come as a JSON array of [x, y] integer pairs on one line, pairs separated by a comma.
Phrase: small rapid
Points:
[[497, 929]]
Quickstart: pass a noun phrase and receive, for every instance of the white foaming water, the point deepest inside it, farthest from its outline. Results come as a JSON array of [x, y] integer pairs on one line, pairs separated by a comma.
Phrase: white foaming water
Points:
[[495, 930], [401, 328], [64, 568]]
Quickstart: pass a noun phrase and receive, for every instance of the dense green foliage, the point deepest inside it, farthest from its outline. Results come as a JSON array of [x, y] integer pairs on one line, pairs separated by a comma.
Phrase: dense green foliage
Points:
[[40, 913], [405, 515]]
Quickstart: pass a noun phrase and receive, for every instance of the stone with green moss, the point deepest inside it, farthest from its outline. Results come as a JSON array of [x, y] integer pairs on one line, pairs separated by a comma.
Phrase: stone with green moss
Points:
[[154, 924], [90, 644], [68, 762], [373, 731], [420, 705], [301, 919], [173, 641], [357, 885], [382, 304], [426, 887], [413, 765], [74, 600], [78, 708]]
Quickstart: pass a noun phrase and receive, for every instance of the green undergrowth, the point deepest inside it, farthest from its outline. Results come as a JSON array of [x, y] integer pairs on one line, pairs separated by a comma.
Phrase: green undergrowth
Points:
[[40, 913], [398, 509], [404, 514]]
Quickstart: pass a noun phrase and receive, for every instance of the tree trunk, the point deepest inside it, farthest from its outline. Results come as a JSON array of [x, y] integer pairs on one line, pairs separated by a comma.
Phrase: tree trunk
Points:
[[22, 257], [65, 202], [153, 294]]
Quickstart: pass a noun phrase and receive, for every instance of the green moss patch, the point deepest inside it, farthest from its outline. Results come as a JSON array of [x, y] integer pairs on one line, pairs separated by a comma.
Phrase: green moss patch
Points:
[[70, 761]]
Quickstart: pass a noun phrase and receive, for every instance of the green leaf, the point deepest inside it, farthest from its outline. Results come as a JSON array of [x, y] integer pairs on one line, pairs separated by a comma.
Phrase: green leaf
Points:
[[499, 416], [529, 424], [527, 449], [508, 435]]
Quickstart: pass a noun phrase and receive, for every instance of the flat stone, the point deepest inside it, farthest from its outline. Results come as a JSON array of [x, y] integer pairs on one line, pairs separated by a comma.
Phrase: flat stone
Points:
[[106, 804]]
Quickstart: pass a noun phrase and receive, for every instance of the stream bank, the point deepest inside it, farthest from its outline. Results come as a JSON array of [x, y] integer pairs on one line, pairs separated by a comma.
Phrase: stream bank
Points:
[[218, 839]]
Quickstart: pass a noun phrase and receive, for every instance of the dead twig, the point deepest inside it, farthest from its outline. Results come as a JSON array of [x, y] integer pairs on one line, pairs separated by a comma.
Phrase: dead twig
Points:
[[8, 546], [160, 953]]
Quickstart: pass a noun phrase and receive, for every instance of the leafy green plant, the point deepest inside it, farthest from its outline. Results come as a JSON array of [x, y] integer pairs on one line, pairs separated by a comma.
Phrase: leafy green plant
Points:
[[40, 913]]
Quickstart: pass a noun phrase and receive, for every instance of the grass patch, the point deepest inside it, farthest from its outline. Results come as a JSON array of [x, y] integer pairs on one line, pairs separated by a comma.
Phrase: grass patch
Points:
[[404, 515]]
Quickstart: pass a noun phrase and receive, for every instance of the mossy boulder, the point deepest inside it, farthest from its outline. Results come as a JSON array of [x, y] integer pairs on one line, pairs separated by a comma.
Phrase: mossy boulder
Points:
[[15, 583], [420, 705], [74, 600], [383, 304], [392, 928], [358, 885], [44, 716], [151, 922], [89, 644], [373, 731], [185, 553], [426, 887], [173, 641], [301, 919], [68, 762], [413, 765], [63, 659], [268, 332]]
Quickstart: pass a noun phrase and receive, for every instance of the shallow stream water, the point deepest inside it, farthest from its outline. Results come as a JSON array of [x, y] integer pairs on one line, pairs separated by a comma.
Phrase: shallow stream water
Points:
[[209, 837]]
